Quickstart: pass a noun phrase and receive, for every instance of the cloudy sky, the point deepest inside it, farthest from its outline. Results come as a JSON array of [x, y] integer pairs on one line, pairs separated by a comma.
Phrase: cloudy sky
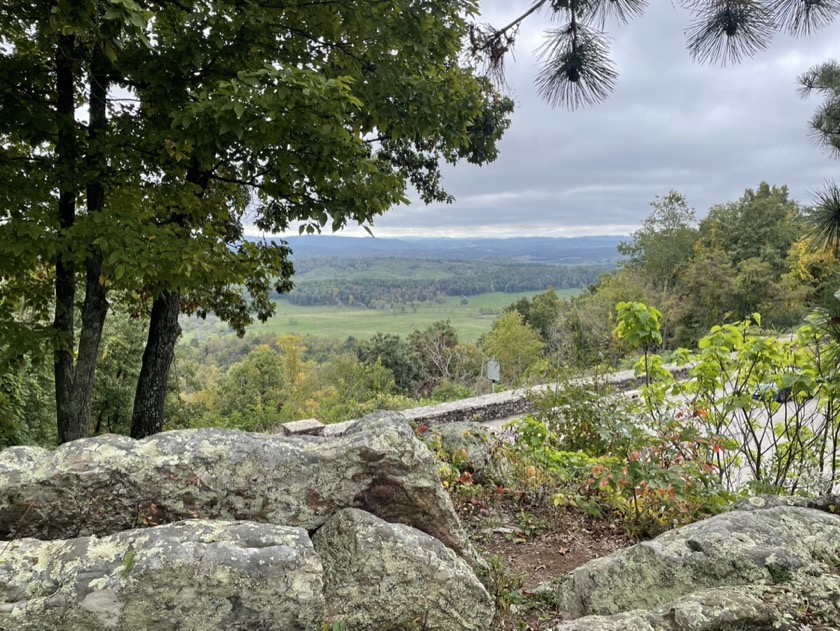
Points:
[[708, 132]]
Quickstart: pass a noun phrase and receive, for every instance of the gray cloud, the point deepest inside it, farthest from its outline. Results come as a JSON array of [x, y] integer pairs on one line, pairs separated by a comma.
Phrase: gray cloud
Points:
[[708, 132]]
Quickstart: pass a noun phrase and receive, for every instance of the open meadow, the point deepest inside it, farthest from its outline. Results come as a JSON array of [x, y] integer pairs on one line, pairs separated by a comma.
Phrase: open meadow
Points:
[[470, 319]]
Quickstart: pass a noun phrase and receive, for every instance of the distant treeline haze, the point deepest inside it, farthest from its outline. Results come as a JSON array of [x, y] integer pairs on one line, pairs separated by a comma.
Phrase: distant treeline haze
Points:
[[379, 283]]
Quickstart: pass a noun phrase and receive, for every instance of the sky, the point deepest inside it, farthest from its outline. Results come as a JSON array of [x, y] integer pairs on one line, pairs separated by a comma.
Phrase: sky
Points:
[[706, 131]]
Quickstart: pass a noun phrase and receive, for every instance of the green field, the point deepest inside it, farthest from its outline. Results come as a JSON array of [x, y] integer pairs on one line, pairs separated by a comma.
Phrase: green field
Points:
[[470, 320]]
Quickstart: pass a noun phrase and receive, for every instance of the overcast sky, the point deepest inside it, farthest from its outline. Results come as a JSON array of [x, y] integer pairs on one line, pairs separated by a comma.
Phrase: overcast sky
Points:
[[706, 131]]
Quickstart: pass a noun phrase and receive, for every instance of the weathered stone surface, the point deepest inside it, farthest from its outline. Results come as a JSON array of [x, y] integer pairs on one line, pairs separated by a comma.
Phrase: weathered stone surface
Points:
[[111, 483], [311, 426], [761, 547], [467, 445], [379, 575], [708, 610], [337, 429], [830, 503], [501, 405], [190, 576]]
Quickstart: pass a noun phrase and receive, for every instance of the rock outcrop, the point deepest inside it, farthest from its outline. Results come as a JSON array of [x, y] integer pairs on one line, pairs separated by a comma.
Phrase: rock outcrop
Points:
[[468, 446], [716, 609], [107, 484], [189, 576], [743, 569], [208, 529], [379, 575]]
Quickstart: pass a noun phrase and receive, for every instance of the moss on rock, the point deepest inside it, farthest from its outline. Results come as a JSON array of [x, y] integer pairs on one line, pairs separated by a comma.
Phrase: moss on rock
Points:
[[190, 576], [380, 575]]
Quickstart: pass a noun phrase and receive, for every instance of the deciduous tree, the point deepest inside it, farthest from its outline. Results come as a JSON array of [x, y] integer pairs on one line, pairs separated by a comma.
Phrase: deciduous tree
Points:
[[515, 345], [397, 355], [664, 242], [764, 223], [443, 358], [321, 112]]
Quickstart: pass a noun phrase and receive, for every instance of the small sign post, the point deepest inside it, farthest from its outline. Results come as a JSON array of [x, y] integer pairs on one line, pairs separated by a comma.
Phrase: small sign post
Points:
[[493, 372]]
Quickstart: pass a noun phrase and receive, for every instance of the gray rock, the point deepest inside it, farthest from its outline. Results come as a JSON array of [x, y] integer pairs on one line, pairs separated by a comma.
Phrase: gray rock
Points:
[[469, 446], [112, 483], [632, 621], [830, 503], [309, 426], [190, 576], [708, 610], [774, 546], [379, 576], [762, 502]]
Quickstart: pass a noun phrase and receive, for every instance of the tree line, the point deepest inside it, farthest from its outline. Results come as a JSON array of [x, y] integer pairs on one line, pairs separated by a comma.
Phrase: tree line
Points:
[[254, 383], [460, 279], [753, 255]]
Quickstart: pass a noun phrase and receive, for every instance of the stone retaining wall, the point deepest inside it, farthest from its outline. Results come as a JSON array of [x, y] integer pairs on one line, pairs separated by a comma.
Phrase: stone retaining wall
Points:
[[489, 407]]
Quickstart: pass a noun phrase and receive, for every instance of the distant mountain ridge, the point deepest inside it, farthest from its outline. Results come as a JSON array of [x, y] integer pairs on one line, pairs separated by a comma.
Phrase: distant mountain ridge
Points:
[[549, 250]]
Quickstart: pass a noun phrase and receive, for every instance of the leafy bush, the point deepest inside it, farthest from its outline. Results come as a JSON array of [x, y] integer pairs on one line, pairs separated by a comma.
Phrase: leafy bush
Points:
[[773, 403], [641, 459]]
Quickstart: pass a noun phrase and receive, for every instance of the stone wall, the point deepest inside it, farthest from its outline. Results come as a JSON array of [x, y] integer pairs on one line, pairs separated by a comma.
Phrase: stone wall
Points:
[[489, 407]]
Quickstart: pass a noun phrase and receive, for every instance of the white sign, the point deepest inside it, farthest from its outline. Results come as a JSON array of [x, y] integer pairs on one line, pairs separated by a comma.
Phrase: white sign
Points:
[[493, 370]]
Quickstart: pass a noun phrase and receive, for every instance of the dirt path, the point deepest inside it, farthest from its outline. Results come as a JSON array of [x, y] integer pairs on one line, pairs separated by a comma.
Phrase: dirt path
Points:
[[528, 544]]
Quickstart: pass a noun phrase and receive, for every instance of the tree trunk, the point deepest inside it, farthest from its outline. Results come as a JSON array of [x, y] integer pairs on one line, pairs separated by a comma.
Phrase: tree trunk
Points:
[[95, 307], [150, 397], [65, 285], [94, 311], [74, 383]]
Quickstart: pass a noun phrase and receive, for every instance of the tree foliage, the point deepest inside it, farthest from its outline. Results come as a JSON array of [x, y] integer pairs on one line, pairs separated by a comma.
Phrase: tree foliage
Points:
[[445, 362], [202, 116], [824, 218], [665, 241], [397, 355], [746, 256], [515, 345], [576, 66], [764, 223]]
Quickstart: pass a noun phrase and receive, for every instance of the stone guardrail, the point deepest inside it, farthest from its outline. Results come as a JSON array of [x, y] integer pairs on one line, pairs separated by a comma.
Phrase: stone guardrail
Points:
[[488, 407]]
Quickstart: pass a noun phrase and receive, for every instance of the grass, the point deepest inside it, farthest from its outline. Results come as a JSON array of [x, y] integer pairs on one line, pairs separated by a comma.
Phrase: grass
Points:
[[470, 320]]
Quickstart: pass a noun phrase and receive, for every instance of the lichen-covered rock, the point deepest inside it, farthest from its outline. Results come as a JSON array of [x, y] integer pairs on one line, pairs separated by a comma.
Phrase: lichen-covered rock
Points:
[[379, 575], [190, 576], [468, 446], [708, 610], [761, 547], [110, 483], [830, 502]]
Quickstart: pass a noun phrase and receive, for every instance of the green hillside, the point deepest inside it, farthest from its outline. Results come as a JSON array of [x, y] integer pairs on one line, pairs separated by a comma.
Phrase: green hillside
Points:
[[470, 320]]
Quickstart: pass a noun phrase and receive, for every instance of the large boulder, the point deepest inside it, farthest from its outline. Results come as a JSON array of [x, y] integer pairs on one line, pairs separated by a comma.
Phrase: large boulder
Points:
[[708, 610], [742, 566], [795, 606], [111, 483], [190, 576], [379, 575]]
